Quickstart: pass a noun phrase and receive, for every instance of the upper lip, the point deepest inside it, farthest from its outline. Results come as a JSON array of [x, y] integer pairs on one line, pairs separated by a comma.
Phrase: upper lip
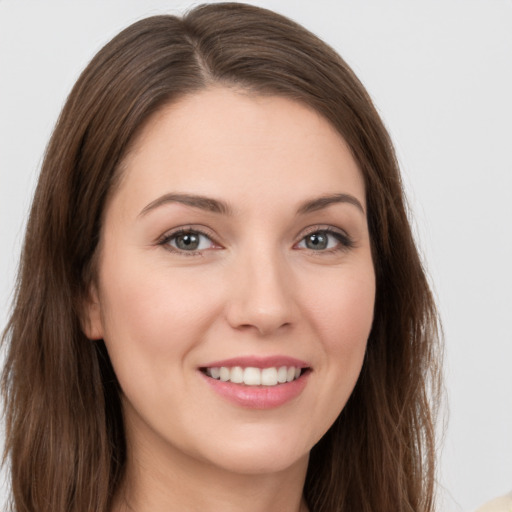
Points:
[[259, 362]]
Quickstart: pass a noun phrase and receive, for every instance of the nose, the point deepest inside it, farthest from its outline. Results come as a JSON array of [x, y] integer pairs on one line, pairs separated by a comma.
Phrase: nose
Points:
[[261, 295]]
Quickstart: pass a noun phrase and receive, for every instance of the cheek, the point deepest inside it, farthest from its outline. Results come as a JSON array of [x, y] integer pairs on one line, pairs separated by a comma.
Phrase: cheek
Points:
[[341, 314], [343, 310], [155, 313]]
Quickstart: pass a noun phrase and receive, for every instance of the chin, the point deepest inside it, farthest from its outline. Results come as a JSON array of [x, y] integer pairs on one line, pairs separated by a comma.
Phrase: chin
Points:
[[261, 463], [261, 453]]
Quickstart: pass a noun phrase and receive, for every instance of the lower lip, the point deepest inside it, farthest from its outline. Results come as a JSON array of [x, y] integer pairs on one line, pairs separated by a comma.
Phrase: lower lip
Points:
[[258, 397]]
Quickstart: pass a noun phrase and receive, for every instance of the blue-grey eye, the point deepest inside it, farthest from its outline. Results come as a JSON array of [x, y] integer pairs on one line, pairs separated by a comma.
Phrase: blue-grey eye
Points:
[[319, 241], [190, 241]]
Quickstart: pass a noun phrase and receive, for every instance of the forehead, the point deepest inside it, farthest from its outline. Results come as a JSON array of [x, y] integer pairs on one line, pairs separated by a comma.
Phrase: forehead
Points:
[[220, 141]]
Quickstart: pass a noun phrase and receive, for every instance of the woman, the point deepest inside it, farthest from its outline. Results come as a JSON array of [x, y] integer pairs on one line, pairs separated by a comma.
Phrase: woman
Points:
[[220, 302]]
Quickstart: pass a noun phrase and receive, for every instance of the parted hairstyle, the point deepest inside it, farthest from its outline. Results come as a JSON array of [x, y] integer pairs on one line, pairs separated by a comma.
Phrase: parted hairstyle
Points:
[[65, 439]]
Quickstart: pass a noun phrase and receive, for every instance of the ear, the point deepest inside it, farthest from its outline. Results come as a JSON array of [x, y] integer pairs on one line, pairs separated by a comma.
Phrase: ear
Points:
[[92, 323]]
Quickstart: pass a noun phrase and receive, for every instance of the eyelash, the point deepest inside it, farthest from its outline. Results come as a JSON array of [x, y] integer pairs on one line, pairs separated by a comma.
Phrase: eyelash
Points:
[[167, 238], [345, 242]]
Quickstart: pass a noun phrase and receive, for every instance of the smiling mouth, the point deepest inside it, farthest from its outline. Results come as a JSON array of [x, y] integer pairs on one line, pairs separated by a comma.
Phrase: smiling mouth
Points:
[[251, 376]]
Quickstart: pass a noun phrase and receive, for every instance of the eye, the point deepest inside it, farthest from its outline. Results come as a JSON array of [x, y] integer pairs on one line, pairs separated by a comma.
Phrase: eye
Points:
[[188, 240], [325, 240]]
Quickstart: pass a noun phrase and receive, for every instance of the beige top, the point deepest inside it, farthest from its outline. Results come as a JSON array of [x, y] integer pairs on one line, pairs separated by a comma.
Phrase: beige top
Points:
[[502, 504]]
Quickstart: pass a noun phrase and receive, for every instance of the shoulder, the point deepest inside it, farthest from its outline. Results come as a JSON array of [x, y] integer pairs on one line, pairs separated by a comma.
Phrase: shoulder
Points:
[[502, 504]]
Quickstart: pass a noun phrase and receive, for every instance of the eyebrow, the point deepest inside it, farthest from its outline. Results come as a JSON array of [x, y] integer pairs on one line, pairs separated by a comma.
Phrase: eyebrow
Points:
[[319, 203], [201, 202], [216, 206]]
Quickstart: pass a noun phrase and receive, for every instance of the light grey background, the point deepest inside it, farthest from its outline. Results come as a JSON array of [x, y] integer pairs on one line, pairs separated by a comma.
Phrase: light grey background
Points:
[[440, 72]]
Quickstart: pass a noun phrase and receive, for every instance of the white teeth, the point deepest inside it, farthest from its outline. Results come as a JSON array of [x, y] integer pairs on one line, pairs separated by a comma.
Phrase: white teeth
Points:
[[269, 376], [281, 374], [237, 375], [224, 374], [251, 376]]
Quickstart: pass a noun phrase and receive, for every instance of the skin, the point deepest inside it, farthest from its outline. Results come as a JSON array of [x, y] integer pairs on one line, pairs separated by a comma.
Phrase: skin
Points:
[[253, 288]]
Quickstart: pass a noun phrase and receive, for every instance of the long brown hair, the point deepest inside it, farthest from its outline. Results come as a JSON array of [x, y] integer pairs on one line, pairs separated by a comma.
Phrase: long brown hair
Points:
[[64, 436]]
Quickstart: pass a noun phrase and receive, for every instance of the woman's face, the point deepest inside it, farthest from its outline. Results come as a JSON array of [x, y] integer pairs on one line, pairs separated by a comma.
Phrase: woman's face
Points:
[[234, 256]]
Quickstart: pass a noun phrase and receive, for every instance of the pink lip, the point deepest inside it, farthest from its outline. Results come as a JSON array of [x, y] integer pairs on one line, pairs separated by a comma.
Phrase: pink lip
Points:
[[258, 397], [258, 362]]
